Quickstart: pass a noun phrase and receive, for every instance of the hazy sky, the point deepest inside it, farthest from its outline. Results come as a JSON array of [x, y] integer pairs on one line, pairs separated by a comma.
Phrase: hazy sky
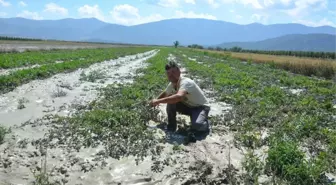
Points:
[[131, 12]]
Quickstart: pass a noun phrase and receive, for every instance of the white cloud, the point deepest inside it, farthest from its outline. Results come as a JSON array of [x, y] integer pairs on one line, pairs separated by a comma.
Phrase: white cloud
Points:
[[304, 7], [213, 3], [229, 1], [23, 4], [30, 15], [91, 11], [268, 3], [54, 8], [129, 15], [126, 14], [3, 14], [255, 3], [169, 3], [4, 3], [190, 1], [262, 18], [285, 2], [191, 14], [239, 16], [322, 22]]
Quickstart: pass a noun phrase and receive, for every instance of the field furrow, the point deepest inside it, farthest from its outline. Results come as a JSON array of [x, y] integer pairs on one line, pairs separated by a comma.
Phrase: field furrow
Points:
[[24, 59], [84, 58]]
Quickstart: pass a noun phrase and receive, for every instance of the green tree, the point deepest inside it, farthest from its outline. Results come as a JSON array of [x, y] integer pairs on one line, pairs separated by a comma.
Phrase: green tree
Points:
[[176, 43]]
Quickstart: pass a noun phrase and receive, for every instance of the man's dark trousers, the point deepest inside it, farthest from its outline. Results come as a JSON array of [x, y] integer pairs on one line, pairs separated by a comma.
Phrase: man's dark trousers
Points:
[[198, 116]]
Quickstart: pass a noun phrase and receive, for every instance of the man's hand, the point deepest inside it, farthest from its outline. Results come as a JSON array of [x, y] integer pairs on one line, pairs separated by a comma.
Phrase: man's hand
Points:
[[170, 99], [154, 103]]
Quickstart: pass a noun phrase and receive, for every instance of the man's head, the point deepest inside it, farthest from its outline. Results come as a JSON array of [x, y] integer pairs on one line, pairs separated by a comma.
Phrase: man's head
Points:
[[173, 71]]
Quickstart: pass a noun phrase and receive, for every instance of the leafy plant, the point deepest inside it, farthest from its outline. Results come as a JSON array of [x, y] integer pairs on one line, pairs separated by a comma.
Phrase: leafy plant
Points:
[[3, 132]]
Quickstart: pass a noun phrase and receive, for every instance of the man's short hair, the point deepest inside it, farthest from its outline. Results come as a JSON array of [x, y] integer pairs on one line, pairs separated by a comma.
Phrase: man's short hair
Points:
[[171, 64]]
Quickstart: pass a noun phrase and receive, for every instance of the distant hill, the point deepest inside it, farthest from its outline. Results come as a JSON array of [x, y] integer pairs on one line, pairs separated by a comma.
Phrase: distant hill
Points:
[[293, 42], [64, 29], [186, 31]]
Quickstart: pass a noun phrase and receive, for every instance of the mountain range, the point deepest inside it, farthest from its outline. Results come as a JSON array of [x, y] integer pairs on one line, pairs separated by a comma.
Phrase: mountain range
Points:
[[186, 30], [293, 42]]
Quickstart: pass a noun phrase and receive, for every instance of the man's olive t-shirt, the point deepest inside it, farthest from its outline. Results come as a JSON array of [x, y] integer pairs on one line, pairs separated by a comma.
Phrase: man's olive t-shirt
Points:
[[195, 96]]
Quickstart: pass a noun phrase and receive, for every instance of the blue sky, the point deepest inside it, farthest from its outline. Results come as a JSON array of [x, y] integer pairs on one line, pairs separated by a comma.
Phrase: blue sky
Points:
[[132, 12]]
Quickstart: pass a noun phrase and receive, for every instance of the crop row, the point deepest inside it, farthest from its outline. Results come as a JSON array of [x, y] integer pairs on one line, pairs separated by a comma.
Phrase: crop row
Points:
[[17, 78], [290, 115], [118, 119], [28, 58]]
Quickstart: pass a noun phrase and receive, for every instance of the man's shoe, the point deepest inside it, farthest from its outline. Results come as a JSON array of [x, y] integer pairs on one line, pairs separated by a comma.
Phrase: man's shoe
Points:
[[191, 138]]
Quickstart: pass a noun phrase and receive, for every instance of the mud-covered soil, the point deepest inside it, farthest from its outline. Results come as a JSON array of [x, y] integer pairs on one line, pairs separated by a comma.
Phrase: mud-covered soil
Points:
[[213, 160]]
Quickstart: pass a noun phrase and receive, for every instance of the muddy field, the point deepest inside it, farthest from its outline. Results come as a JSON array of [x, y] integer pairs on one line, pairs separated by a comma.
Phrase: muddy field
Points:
[[28, 108], [41, 144]]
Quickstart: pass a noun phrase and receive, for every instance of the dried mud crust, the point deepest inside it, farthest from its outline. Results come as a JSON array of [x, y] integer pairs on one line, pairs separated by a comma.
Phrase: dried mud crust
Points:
[[212, 161]]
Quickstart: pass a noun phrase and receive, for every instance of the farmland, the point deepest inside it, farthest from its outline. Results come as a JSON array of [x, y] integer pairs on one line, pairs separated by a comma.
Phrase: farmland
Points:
[[20, 45], [320, 67], [88, 120]]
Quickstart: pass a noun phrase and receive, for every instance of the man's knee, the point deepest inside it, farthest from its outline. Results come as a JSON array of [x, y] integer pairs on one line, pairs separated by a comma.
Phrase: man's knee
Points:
[[201, 123]]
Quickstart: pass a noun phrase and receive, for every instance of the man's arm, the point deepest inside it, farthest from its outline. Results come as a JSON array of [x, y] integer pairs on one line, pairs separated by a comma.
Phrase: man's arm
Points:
[[162, 95], [174, 98]]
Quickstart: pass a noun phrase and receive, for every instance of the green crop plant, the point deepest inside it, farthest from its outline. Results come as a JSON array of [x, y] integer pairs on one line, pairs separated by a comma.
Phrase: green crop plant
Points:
[[28, 58], [3, 132]]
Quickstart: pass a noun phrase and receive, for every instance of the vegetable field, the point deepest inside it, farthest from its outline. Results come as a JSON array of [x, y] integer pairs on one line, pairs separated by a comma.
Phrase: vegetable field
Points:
[[269, 126]]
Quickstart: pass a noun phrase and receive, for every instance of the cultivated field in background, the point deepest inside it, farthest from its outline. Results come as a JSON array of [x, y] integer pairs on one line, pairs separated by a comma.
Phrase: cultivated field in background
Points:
[[302, 65]]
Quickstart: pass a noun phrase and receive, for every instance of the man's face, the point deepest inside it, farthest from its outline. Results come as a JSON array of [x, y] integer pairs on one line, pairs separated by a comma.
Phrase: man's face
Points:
[[173, 74]]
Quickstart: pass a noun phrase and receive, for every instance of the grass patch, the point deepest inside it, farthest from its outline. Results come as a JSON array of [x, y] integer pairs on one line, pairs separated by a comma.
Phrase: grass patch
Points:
[[3, 132], [59, 92], [92, 76]]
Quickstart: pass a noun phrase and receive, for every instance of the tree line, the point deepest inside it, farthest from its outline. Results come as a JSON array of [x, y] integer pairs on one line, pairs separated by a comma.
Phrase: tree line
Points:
[[18, 38], [311, 54]]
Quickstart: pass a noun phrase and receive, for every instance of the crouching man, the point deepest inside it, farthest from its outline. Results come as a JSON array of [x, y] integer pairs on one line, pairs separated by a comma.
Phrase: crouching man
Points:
[[184, 96]]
